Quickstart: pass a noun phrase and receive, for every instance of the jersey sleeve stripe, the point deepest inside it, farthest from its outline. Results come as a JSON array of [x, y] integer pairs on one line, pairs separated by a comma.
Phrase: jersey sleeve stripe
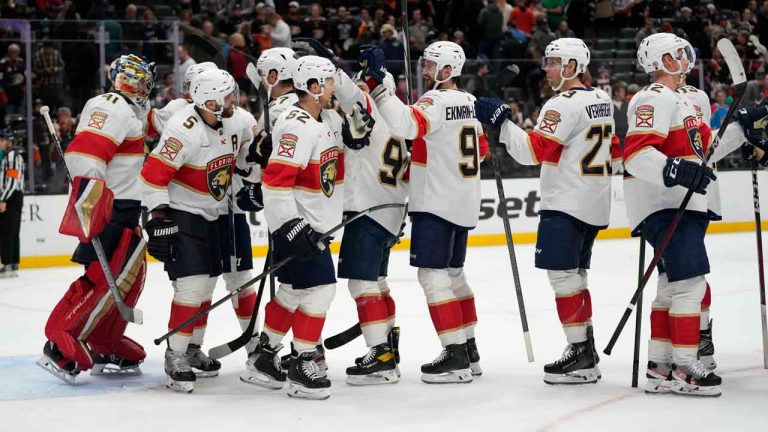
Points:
[[192, 177], [151, 128], [422, 122], [132, 146], [156, 173], [94, 145], [483, 146], [544, 148], [419, 152], [280, 175]]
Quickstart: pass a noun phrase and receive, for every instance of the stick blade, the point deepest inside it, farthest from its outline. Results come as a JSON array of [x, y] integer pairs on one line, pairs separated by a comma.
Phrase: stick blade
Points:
[[733, 61], [253, 75], [228, 348]]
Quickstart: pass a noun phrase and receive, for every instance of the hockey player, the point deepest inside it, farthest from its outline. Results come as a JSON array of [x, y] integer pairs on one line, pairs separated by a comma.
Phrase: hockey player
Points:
[[186, 179], [571, 141], [448, 145], [85, 329], [303, 198], [663, 149]]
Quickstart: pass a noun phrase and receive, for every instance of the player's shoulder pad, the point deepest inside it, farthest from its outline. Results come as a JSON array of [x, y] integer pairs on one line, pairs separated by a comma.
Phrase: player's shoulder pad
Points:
[[185, 124], [110, 104], [657, 95], [430, 99]]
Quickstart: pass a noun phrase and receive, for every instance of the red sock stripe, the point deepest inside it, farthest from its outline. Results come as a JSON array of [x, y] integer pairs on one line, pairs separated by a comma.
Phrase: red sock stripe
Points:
[[446, 316], [660, 324], [685, 330], [277, 317], [371, 309], [390, 302], [588, 304], [573, 309], [707, 300], [245, 305], [307, 328], [203, 320], [181, 313], [468, 312]]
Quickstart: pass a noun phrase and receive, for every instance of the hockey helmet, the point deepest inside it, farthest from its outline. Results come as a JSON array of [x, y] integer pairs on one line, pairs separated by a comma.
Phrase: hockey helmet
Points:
[[193, 71], [567, 49], [444, 54], [652, 49], [277, 59], [310, 68], [214, 85]]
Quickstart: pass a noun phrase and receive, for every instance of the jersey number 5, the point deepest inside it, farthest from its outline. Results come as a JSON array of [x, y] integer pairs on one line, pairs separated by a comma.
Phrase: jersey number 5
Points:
[[393, 161], [599, 134], [468, 147]]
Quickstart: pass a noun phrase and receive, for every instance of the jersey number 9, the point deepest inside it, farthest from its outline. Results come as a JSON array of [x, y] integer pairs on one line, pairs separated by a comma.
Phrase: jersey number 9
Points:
[[468, 147], [393, 161]]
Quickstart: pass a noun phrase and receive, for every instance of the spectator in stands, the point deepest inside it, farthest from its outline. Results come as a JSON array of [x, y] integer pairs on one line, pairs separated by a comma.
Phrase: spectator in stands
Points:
[[48, 67], [185, 61], [719, 109], [506, 11], [133, 30], [152, 32], [212, 14], [209, 29], [65, 126], [541, 38], [236, 58], [476, 84], [554, 10], [578, 15], [644, 32], [420, 31], [603, 81], [293, 18], [491, 24], [603, 13], [281, 32], [749, 53], [458, 39], [522, 16], [620, 104], [315, 26], [563, 31], [516, 115], [393, 49], [12, 80], [756, 90], [233, 20], [344, 29], [166, 90]]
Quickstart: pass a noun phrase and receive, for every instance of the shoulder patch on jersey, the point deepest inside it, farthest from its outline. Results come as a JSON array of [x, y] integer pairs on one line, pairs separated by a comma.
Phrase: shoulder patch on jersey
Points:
[[287, 145], [644, 116], [328, 170], [97, 120], [699, 112], [550, 121], [691, 124], [217, 172], [425, 102], [171, 148]]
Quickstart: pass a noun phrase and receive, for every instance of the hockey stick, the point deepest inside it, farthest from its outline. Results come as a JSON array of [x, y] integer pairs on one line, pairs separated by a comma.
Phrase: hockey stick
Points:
[[760, 265], [740, 83], [638, 316], [128, 314], [264, 274], [407, 49]]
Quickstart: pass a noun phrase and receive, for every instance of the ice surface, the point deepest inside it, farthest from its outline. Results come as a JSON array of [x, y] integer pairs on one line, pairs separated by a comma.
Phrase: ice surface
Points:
[[509, 396]]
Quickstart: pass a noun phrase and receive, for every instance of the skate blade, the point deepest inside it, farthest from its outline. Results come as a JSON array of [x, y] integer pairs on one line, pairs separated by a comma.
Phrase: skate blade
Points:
[[205, 374], [583, 376], [658, 386], [112, 370], [460, 376], [301, 392], [476, 369], [382, 377], [180, 386], [598, 372], [49, 366], [690, 390], [709, 362], [261, 380]]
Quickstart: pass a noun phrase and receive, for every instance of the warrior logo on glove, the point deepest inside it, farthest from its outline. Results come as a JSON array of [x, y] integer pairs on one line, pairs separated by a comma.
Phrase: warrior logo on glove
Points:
[[328, 170], [694, 136], [218, 175]]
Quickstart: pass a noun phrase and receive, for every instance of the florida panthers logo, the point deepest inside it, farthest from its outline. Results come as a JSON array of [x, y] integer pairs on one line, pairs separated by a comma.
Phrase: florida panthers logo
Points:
[[329, 170], [218, 174], [691, 124]]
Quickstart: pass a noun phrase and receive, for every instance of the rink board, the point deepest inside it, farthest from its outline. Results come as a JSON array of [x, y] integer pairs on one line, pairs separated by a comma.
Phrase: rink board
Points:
[[43, 246]]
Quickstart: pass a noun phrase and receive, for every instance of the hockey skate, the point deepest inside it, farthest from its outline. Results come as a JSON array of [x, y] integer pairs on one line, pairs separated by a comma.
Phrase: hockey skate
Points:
[[180, 377], [451, 366], [8, 271], [376, 367], [263, 366], [591, 338], [576, 366], [205, 367], [305, 379], [696, 380], [474, 357], [114, 365], [285, 361], [659, 377], [707, 348], [54, 363], [393, 338]]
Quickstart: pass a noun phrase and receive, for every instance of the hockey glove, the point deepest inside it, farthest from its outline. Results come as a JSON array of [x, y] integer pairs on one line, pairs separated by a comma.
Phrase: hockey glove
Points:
[[260, 149], [299, 239], [372, 60], [249, 197], [162, 231], [356, 130], [691, 175], [753, 117], [308, 46], [492, 111], [756, 148]]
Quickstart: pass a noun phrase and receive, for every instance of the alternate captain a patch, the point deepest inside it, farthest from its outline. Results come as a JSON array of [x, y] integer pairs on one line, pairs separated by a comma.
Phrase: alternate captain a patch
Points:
[[691, 124], [97, 120], [549, 121], [329, 169], [287, 145], [218, 174], [644, 116]]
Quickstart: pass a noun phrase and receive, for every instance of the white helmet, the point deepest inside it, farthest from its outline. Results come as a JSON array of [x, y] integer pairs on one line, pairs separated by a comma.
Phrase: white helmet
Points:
[[567, 49], [215, 85], [444, 54], [310, 68], [653, 48], [192, 72], [277, 59]]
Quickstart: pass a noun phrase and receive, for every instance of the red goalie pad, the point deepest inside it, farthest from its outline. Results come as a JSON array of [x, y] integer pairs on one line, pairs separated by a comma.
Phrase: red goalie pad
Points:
[[89, 209]]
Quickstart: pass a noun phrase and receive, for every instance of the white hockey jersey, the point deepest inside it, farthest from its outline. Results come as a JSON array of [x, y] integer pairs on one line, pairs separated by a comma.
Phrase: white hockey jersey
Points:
[[374, 174], [279, 105], [242, 128], [700, 101], [448, 145], [572, 142], [305, 173], [191, 167], [109, 145], [157, 119], [664, 124]]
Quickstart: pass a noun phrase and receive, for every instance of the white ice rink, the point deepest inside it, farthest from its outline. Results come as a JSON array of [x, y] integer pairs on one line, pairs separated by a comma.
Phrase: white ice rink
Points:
[[509, 396]]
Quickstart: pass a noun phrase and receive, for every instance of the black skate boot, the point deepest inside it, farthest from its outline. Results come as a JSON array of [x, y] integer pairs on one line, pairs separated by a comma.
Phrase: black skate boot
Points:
[[205, 366], [591, 339], [394, 343], [696, 380], [474, 357], [263, 366], [576, 366], [114, 365], [55, 363], [180, 377], [376, 367], [451, 366], [305, 379], [659, 377], [285, 361], [706, 348]]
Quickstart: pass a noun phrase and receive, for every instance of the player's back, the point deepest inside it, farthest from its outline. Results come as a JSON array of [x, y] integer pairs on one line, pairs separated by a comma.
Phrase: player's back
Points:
[[577, 181], [700, 101], [157, 119], [280, 105]]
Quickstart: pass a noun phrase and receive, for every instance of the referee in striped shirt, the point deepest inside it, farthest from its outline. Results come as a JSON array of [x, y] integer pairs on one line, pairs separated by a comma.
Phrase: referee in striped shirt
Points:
[[11, 199]]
